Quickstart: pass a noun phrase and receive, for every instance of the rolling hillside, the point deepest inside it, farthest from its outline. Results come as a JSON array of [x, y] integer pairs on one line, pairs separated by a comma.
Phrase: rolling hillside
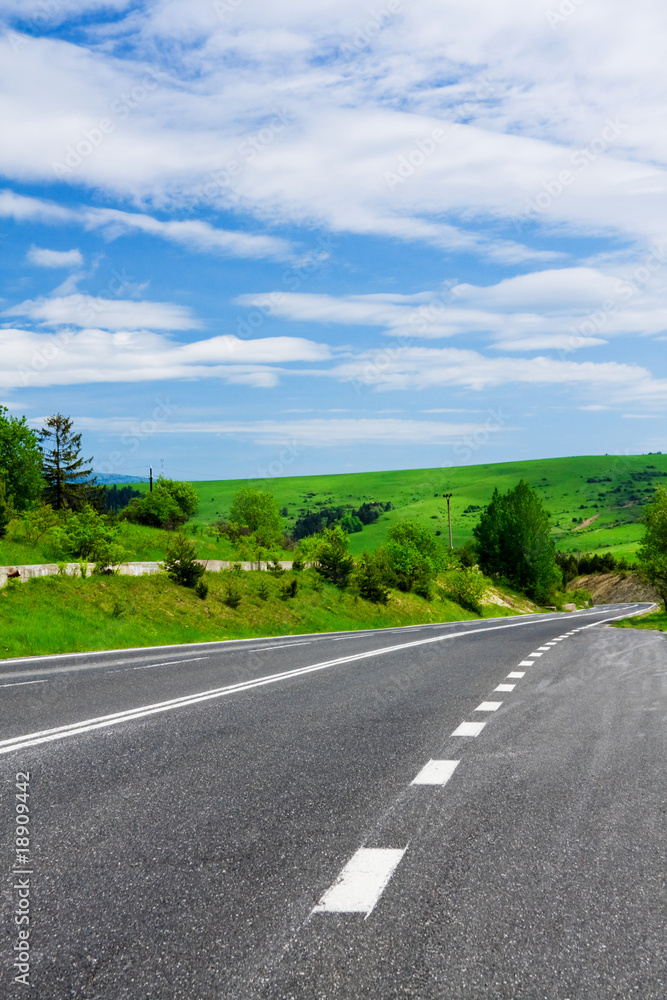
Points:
[[595, 501]]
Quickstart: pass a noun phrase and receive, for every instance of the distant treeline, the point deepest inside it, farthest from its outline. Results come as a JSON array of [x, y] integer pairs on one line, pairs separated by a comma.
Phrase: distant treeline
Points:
[[572, 565], [311, 522], [118, 497]]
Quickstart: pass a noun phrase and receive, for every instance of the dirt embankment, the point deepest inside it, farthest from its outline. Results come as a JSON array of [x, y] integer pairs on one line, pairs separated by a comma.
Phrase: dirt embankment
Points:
[[615, 588]]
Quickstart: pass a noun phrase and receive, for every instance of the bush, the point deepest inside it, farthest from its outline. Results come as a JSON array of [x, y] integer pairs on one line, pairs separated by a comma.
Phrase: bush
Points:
[[289, 588], [466, 587], [181, 562], [257, 511], [5, 512], [232, 596], [169, 505], [413, 555], [263, 591], [331, 559], [88, 536], [369, 579], [201, 590]]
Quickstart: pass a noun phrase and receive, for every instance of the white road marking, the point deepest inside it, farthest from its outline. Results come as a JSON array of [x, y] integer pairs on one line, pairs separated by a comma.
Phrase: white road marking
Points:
[[168, 663], [436, 772], [489, 706], [517, 673], [361, 882], [505, 687], [16, 684], [281, 645], [526, 663], [534, 655], [469, 729], [551, 643], [544, 649]]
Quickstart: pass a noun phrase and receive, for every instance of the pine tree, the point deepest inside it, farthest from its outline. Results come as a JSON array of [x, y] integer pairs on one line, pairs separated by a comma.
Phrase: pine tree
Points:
[[69, 484]]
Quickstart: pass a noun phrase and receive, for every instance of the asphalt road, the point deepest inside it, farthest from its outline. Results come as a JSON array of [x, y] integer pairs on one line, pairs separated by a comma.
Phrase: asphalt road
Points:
[[241, 820]]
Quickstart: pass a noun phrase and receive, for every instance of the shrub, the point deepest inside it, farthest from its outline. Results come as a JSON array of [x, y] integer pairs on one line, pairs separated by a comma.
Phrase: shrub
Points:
[[181, 562], [263, 591], [413, 555], [289, 588], [201, 590], [331, 559], [257, 511], [466, 587], [169, 505], [88, 536], [369, 579], [232, 596]]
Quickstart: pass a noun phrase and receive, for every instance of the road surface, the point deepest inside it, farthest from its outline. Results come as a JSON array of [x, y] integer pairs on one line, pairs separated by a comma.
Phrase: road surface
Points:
[[469, 811]]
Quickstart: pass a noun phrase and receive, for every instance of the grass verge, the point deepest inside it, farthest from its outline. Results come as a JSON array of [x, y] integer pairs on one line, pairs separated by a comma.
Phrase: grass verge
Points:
[[67, 614], [656, 620]]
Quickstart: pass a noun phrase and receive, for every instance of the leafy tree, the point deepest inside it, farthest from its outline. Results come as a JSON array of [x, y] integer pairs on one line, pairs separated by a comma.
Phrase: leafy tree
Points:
[[181, 562], [87, 535], [414, 555], [467, 586], [38, 521], [652, 553], [168, 505], [5, 512], [69, 485], [514, 541], [369, 579], [258, 511], [20, 462], [330, 556]]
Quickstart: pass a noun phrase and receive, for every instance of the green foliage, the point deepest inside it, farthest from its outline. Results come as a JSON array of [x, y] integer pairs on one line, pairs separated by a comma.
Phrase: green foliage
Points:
[[263, 590], [289, 588], [69, 485], [201, 589], [89, 537], [257, 511], [330, 556], [414, 556], [369, 578], [466, 586], [514, 542], [181, 562], [652, 553], [232, 596], [168, 505], [38, 521], [274, 567], [20, 462], [5, 510]]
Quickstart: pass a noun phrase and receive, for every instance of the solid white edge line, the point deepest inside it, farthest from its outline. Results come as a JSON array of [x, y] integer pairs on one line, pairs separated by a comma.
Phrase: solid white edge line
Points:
[[74, 728]]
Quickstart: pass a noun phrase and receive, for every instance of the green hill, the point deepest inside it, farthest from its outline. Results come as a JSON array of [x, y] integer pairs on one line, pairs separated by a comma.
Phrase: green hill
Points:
[[607, 490]]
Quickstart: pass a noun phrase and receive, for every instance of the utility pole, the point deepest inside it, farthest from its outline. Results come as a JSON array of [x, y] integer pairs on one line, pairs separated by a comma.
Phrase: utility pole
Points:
[[448, 497], [150, 479]]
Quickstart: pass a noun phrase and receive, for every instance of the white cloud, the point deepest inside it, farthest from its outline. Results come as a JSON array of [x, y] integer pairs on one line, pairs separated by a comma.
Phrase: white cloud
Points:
[[98, 356], [42, 257], [105, 312]]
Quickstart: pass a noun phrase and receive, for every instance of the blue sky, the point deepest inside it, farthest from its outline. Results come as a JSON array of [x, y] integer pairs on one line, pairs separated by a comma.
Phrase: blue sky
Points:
[[242, 239]]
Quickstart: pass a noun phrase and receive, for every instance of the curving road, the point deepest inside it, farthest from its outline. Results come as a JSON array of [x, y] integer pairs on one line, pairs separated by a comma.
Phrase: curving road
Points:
[[469, 811]]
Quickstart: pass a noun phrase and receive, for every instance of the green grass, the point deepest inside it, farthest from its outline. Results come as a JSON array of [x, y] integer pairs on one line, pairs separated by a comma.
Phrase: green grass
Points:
[[656, 620], [65, 614], [417, 494]]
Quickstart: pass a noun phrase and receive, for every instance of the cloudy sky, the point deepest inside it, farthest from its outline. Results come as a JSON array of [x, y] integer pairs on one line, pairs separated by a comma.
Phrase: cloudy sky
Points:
[[242, 238]]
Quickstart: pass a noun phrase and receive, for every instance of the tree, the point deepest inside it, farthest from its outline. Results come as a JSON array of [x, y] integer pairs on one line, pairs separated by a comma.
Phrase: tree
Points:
[[168, 505], [20, 462], [331, 558], [181, 562], [87, 535], [652, 553], [369, 579], [69, 485], [258, 511], [5, 514], [414, 555], [514, 541]]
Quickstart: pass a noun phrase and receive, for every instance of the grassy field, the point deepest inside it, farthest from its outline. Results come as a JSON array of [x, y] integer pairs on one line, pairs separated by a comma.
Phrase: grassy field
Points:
[[614, 502], [65, 614]]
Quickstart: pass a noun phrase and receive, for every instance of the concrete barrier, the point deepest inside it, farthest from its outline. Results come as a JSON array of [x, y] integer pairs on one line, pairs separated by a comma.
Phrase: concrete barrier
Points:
[[32, 572]]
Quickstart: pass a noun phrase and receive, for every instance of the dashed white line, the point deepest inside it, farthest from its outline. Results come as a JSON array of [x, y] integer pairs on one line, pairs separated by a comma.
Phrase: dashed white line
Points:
[[168, 663], [436, 772], [489, 706], [517, 673], [533, 655], [361, 882], [544, 649], [526, 663], [505, 687], [469, 729]]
